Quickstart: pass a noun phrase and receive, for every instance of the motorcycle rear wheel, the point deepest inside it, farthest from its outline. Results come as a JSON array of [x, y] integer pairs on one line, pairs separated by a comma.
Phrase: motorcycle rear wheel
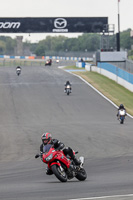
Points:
[[61, 175], [81, 175], [122, 121]]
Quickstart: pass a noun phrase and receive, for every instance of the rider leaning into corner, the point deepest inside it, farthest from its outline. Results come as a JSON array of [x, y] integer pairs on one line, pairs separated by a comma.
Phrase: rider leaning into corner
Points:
[[48, 142], [121, 107]]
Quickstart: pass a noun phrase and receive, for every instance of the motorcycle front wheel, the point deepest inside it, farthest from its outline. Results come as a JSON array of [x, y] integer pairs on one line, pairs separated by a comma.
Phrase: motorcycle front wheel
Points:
[[68, 92], [60, 174], [81, 175], [18, 73]]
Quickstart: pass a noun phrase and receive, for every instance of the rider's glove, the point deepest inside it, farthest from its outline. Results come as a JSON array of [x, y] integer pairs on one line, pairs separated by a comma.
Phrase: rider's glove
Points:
[[37, 155]]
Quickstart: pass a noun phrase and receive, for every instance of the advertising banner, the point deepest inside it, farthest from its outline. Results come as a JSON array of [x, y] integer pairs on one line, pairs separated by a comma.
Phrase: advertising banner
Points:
[[53, 25]]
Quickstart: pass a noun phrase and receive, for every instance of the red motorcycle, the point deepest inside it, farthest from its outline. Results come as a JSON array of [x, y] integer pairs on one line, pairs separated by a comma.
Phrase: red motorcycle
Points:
[[62, 166]]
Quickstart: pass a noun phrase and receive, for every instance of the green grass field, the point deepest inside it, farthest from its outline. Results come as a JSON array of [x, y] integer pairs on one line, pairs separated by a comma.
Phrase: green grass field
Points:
[[115, 92]]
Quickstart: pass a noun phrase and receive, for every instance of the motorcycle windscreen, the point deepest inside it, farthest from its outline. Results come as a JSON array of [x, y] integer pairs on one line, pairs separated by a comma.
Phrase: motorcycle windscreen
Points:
[[46, 148]]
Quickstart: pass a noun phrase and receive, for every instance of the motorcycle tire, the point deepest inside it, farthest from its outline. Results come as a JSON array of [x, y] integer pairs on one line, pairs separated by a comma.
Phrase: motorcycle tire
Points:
[[67, 92], [60, 175], [81, 175], [122, 121]]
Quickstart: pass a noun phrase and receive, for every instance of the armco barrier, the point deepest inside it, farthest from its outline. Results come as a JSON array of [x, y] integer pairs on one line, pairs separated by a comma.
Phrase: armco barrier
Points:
[[119, 75]]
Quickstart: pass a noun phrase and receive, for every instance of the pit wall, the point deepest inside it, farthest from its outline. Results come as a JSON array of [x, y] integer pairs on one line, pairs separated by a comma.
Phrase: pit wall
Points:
[[120, 76]]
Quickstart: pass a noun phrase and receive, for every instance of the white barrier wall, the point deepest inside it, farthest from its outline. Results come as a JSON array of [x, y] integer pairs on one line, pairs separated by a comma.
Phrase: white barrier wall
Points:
[[88, 66], [79, 64]]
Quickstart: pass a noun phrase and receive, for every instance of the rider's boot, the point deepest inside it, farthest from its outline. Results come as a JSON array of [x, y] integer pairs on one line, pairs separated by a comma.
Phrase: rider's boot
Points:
[[49, 171]]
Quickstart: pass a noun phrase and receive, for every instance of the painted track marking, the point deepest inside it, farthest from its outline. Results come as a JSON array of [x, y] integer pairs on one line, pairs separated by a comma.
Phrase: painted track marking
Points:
[[105, 197]]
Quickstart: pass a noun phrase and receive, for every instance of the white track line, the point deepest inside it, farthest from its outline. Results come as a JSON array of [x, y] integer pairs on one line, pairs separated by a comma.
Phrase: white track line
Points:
[[104, 197], [97, 91]]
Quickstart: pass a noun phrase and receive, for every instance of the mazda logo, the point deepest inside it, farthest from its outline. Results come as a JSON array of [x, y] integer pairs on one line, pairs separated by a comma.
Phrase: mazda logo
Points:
[[60, 23]]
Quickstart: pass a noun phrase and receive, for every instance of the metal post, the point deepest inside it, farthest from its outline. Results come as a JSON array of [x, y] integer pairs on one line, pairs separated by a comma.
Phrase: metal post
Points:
[[118, 34]]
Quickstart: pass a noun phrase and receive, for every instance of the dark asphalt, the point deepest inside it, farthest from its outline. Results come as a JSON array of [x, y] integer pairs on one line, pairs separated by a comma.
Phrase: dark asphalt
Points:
[[34, 103]]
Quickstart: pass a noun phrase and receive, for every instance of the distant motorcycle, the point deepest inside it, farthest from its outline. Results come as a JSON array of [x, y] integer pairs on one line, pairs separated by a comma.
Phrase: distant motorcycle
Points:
[[18, 71], [62, 166], [68, 89], [57, 61], [122, 114], [48, 62]]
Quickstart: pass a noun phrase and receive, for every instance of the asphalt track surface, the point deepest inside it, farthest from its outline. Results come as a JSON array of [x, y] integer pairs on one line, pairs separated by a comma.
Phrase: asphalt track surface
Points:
[[34, 103]]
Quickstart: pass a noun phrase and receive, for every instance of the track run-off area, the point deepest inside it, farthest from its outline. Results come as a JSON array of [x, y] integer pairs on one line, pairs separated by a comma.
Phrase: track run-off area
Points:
[[35, 102]]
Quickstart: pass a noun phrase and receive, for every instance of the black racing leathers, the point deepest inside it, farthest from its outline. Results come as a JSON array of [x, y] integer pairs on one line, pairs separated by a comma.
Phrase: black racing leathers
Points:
[[58, 146]]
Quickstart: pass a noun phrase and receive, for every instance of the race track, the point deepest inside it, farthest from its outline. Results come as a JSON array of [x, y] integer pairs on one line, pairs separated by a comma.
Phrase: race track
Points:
[[35, 102]]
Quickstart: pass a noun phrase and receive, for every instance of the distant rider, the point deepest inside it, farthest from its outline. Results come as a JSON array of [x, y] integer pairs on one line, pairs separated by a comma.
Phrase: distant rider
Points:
[[66, 84], [48, 142], [50, 61], [121, 107], [18, 68]]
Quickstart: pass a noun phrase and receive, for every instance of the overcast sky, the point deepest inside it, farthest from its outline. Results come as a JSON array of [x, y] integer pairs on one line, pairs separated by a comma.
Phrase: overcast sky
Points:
[[69, 8]]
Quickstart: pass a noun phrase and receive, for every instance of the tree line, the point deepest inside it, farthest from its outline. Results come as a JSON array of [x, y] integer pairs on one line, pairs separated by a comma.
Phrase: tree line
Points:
[[89, 42]]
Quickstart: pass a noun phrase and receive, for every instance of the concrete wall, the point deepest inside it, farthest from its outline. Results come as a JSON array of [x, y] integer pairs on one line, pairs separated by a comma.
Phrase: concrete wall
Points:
[[80, 64], [119, 75], [113, 56]]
